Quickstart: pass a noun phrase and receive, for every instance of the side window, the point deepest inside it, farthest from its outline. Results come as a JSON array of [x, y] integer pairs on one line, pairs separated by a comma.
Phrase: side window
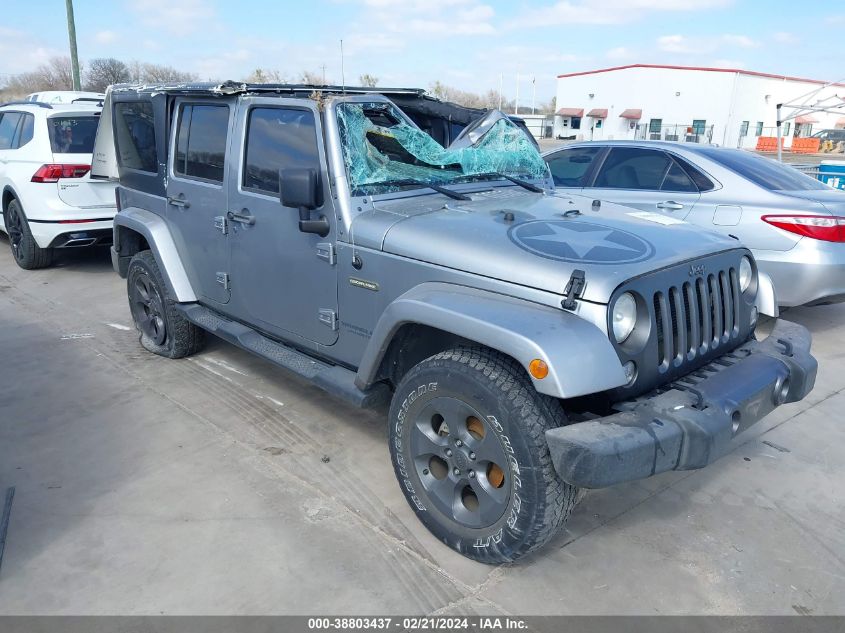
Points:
[[570, 166], [201, 141], [633, 168], [26, 130], [135, 133], [677, 180], [8, 125], [276, 138], [702, 182]]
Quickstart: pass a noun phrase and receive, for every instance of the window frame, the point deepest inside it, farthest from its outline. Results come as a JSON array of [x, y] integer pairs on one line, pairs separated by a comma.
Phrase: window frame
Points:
[[651, 126], [758, 128], [247, 119], [699, 127], [180, 107]]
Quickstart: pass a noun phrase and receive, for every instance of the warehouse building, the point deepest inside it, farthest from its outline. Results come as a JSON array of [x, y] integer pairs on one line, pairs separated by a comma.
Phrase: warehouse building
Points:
[[729, 107]]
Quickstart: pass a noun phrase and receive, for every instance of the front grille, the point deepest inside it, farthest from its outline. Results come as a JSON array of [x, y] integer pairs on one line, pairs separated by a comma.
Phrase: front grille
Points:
[[696, 317]]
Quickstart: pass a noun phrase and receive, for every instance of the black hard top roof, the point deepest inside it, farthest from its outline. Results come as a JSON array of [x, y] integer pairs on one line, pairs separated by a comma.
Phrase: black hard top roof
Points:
[[234, 88]]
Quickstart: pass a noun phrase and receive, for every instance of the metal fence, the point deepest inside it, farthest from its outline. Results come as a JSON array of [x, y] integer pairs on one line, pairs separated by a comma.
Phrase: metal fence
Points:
[[680, 132]]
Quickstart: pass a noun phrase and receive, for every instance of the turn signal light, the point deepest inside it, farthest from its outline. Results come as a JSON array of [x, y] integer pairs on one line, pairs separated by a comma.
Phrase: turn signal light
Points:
[[818, 227], [538, 368], [52, 173]]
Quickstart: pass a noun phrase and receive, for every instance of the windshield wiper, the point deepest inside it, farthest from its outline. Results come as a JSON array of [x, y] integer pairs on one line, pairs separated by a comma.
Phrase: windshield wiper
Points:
[[517, 181], [421, 183]]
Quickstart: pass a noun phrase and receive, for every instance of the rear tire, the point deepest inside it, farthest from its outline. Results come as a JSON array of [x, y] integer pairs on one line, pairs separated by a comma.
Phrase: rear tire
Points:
[[28, 255], [467, 441], [164, 330]]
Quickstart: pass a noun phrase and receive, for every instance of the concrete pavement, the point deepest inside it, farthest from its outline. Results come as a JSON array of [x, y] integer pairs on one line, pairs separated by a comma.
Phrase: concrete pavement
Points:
[[221, 484]]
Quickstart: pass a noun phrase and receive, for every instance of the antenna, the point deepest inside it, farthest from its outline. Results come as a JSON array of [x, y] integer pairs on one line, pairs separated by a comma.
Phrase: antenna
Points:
[[342, 72]]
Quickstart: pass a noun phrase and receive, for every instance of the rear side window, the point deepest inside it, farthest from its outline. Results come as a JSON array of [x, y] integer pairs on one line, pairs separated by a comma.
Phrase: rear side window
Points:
[[764, 172], [26, 129], [570, 167], [201, 141], [135, 134], [677, 180], [276, 138], [8, 126], [72, 134], [633, 168]]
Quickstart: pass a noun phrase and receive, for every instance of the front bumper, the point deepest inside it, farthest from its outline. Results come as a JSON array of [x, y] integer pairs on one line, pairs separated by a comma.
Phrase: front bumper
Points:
[[691, 422]]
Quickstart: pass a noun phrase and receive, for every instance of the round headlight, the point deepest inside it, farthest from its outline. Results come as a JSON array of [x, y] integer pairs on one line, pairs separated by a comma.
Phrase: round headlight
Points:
[[624, 316], [746, 272]]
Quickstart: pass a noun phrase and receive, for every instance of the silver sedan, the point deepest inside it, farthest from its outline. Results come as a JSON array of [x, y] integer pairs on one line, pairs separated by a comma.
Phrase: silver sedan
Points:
[[794, 224]]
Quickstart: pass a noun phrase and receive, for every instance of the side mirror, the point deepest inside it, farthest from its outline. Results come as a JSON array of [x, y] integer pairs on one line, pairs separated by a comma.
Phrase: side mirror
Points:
[[300, 188]]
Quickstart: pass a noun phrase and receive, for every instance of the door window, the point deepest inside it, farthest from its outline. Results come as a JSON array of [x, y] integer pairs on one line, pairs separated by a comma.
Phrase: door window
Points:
[[8, 124], [276, 138], [633, 168], [201, 141], [571, 167]]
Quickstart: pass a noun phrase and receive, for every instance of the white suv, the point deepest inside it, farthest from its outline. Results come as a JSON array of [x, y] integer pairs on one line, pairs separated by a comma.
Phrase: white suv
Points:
[[49, 200]]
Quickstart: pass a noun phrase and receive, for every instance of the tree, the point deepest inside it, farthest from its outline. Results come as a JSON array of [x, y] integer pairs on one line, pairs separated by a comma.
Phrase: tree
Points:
[[312, 79], [368, 80], [54, 75], [265, 75], [104, 72], [156, 73]]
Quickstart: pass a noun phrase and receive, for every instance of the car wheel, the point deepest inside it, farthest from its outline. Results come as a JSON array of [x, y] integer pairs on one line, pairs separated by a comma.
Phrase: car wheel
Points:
[[163, 329], [467, 441], [28, 255]]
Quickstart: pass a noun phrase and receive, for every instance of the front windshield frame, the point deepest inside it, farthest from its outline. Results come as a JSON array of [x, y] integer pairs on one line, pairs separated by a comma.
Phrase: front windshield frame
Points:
[[428, 162]]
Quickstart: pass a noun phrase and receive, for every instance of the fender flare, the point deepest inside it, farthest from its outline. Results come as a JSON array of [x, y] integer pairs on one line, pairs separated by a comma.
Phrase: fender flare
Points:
[[155, 231], [580, 357], [767, 297]]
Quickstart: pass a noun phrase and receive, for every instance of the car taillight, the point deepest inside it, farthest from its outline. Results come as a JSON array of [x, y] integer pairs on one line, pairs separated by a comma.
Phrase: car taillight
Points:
[[52, 173], [817, 227]]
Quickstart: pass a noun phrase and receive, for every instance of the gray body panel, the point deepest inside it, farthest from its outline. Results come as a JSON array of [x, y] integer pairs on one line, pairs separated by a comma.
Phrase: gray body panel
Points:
[[803, 270]]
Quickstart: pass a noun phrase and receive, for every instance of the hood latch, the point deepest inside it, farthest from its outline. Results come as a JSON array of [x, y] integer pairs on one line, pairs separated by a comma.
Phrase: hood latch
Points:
[[573, 290]]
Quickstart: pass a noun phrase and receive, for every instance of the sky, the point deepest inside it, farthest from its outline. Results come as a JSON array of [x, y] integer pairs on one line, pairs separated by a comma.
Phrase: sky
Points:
[[469, 44]]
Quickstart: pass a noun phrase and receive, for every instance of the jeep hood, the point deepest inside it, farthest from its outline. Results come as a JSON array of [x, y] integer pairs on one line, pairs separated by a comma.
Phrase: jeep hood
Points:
[[535, 240]]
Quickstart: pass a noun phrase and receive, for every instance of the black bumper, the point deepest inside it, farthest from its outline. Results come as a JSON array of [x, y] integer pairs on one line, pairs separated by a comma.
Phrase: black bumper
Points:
[[691, 422]]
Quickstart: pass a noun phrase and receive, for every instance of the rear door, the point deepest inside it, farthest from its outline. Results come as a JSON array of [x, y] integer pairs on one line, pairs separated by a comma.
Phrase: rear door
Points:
[[196, 195], [72, 136], [648, 179], [284, 281]]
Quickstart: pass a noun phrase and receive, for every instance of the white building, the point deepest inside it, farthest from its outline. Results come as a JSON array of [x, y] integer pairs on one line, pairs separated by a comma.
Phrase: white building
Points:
[[729, 107]]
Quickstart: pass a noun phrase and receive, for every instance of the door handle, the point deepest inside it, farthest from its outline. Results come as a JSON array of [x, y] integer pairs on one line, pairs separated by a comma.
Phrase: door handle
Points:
[[243, 216], [178, 201], [671, 205]]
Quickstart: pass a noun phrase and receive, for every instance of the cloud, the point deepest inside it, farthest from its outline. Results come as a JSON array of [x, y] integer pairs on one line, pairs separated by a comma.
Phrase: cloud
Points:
[[683, 45], [784, 37], [174, 16], [432, 18], [606, 11], [620, 52], [105, 37], [22, 51]]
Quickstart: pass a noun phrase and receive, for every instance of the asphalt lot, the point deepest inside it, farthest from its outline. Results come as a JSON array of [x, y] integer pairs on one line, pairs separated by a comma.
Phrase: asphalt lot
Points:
[[221, 484]]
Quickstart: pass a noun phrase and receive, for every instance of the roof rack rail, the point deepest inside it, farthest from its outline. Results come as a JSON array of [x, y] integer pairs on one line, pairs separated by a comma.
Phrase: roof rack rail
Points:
[[40, 104], [96, 100]]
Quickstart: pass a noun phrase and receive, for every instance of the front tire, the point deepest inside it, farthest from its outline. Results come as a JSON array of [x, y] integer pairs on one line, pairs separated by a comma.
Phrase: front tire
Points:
[[28, 255], [164, 330], [467, 441]]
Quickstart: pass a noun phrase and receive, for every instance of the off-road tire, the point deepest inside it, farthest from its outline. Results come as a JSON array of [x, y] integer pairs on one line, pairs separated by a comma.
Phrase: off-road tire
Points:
[[26, 252], [177, 337], [496, 387]]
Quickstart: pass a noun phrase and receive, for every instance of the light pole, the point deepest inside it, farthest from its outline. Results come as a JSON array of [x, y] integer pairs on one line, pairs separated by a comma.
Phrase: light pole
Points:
[[71, 34]]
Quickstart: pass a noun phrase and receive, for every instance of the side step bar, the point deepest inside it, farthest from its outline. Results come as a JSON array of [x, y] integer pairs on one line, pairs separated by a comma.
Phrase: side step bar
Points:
[[333, 379]]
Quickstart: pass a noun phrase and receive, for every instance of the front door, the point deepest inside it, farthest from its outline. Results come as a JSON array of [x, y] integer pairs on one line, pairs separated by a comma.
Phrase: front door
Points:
[[196, 195], [284, 281]]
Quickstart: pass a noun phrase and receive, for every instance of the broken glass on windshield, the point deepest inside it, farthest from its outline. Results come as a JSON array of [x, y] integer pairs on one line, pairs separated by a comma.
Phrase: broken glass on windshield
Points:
[[384, 152]]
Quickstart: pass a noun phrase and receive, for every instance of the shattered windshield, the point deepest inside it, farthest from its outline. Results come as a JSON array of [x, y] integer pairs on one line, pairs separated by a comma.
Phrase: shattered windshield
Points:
[[383, 152]]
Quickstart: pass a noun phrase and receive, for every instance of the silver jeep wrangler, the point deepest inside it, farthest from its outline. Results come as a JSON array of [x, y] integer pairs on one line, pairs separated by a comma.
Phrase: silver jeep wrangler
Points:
[[393, 248]]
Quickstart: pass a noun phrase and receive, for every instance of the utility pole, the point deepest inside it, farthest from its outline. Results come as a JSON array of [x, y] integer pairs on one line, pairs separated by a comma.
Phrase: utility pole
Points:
[[500, 90], [516, 105], [71, 33], [324, 73], [533, 93]]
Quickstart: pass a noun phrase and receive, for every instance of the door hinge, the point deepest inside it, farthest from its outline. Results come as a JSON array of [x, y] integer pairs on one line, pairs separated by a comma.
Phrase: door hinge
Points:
[[326, 251], [328, 317], [223, 280], [221, 223]]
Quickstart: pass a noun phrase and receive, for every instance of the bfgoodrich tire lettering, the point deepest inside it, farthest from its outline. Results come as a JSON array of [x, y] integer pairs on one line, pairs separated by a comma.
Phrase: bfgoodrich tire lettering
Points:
[[467, 441], [163, 329]]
